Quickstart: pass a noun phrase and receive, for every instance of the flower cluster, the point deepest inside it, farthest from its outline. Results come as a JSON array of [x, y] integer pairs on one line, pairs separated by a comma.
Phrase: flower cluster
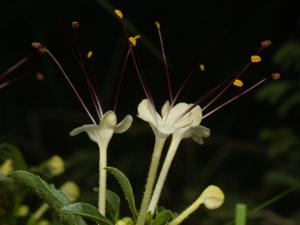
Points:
[[176, 120]]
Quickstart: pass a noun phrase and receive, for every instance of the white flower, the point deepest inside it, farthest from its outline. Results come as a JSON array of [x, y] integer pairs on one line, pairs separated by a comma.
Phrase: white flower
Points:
[[102, 133], [176, 120]]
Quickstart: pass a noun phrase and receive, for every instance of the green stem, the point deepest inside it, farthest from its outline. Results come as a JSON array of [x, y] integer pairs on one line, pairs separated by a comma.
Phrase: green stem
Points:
[[188, 211], [159, 144], [163, 173], [102, 178]]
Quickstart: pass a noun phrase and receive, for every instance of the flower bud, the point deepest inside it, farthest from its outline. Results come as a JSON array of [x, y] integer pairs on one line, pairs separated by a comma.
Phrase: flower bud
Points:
[[22, 211], [56, 165], [71, 190], [213, 197]]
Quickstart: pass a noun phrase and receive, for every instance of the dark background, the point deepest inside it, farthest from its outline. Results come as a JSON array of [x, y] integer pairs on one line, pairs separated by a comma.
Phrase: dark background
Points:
[[253, 152]]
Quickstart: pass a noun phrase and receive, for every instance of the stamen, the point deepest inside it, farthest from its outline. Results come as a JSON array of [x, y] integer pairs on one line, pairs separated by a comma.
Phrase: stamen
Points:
[[39, 76], [132, 41], [189, 76], [138, 70], [15, 66], [238, 83], [89, 54], [140, 76], [119, 13], [124, 64], [165, 61], [45, 50], [202, 67], [276, 76], [255, 58], [39, 47], [75, 25], [265, 43], [187, 79], [6, 83], [91, 86]]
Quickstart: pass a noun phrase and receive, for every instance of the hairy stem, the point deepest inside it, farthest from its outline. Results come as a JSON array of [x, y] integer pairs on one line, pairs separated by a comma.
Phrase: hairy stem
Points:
[[102, 178], [188, 211], [159, 144], [163, 173]]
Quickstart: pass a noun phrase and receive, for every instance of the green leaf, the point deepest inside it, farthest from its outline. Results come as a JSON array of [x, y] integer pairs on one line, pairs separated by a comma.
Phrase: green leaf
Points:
[[53, 197], [240, 214], [163, 217], [126, 187], [112, 205], [88, 211], [10, 151]]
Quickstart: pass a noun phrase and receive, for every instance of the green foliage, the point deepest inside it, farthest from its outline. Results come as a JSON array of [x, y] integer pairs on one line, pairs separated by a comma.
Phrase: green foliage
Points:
[[282, 141], [162, 217], [53, 197], [88, 211], [126, 187], [10, 151], [288, 55], [113, 205]]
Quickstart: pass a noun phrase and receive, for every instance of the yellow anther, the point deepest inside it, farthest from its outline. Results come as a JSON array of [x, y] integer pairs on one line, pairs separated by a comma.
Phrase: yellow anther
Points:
[[202, 67], [275, 76], [75, 25], [266, 43], [255, 58], [132, 40], [238, 83], [157, 24], [119, 13], [89, 54]]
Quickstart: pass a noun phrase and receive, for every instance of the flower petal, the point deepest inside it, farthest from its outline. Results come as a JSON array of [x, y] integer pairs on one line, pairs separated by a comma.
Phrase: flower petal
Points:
[[90, 129], [198, 133], [162, 131], [165, 109], [147, 112], [124, 124], [175, 118], [196, 115], [109, 120]]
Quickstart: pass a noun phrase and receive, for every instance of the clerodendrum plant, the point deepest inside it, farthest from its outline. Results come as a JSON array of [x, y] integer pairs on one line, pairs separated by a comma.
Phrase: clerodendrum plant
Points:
[[176, 120], [180, 120], [100, 133]]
